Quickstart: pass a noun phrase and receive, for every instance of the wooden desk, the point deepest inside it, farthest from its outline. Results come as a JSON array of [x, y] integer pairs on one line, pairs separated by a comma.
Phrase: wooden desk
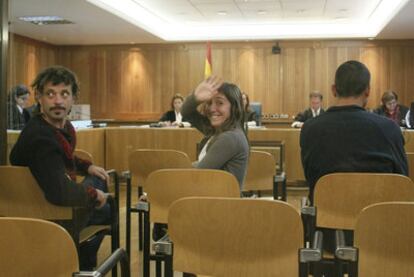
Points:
[[122, 141], [110, 147], [409, 140], [93, 141]]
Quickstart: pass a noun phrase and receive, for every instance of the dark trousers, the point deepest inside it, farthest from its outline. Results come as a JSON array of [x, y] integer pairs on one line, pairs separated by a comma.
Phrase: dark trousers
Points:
[[89, 249]]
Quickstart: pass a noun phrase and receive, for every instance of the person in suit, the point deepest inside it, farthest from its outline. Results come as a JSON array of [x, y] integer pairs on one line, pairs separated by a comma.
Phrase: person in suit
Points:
[[315, 109], [391, 109], [249, 115], [174, 117], [17, 115]]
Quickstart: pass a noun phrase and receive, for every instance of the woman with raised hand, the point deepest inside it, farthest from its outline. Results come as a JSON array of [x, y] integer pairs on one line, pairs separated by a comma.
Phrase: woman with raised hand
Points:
[[216, 109]]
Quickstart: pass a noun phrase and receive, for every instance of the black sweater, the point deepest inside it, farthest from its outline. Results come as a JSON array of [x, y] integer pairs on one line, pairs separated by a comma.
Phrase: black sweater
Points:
[[48, 152], [350, 139]]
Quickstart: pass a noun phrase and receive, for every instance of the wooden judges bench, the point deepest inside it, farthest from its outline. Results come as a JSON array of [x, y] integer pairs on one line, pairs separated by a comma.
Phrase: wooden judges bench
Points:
[[111, 146]]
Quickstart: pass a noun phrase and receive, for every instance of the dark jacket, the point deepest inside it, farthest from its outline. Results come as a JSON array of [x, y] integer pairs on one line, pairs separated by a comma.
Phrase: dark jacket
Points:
[[15, 119], [307, 114], [350, 139], [48, 152], [402, 112], [170, 116]]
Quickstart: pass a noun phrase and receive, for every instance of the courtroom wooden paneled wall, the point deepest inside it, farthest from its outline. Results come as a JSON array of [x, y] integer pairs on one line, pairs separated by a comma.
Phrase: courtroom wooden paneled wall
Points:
[[137, 81], [26, 58]]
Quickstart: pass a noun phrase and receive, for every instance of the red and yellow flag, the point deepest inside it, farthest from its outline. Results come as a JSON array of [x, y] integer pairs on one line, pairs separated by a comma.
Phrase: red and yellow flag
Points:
[[208, 67]]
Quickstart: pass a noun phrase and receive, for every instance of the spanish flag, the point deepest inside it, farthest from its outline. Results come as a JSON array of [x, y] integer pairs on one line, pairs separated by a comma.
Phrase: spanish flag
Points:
[[208, 68]]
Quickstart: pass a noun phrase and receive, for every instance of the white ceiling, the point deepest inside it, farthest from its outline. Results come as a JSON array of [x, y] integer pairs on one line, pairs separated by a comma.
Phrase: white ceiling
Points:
[[94, 25]]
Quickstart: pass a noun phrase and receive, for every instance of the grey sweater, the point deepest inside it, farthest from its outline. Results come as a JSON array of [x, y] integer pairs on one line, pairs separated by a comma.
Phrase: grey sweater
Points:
[[228, 150]]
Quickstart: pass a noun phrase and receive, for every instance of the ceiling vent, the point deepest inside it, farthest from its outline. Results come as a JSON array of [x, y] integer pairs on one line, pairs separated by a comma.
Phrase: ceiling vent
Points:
[[45, 20]]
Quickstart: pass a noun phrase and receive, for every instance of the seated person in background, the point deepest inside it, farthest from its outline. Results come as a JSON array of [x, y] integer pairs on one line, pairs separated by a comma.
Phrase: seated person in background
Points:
[[315, 109], [46, 146], [174, 117], [17, 115], [249, 114], [391, 109], [216, 109], [347, 138]]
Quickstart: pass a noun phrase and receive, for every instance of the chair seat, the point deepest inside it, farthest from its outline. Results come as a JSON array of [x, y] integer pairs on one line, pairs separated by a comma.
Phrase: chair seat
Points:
[[92, 230]]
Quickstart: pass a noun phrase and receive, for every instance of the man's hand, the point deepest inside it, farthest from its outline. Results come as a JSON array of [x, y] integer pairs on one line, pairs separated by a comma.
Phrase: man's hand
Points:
[[101, 198], [98, 172], [207, 89]]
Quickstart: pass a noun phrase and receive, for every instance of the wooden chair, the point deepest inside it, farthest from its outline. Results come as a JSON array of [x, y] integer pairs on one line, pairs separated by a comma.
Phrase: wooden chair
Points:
[[33, 247], [141, 163], [165, 186], [84, 155], [277, 149], [384, 239], [410, 158], [340, 197], [261, 173], [21, 196], [235, 237]]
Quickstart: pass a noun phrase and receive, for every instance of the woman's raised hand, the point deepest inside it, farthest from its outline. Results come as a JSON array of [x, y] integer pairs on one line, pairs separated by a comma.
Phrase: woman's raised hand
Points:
[[207, 88]]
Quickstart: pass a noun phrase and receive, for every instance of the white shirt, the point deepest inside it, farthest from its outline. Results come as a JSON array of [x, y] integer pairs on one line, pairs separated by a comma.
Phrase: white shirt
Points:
[[204, 150], [20, 109], [407, 119], [315, 113], [178, 117]]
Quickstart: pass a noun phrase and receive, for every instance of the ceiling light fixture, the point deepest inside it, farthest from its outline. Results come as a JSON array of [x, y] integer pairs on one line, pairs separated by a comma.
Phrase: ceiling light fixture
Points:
[[222, 13], [45, 20], [139, 15], [261, 12]]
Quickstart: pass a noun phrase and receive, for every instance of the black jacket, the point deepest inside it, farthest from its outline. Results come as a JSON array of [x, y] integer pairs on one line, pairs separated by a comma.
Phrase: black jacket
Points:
[[350, 139], [307, 114]]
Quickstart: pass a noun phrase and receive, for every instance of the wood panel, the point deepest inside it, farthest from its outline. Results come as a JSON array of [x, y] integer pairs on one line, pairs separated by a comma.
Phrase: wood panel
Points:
[[137, 81], [26, 58], [92, 141], [110, 147], [120, 142]]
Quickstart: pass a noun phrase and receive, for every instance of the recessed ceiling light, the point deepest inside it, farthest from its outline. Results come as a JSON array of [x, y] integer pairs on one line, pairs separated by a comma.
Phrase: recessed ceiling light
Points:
[[45, 20], [340, 18], [152, 22], [222, 13], [261, 12]]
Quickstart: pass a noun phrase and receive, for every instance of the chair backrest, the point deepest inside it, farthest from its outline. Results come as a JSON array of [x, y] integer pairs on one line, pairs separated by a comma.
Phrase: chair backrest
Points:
[[260, 171], [384, 237], [165, 186], [235, 237], [340, 197], [33, 247], [21, 196], [144, 161], [410, 158], [84, 155]]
